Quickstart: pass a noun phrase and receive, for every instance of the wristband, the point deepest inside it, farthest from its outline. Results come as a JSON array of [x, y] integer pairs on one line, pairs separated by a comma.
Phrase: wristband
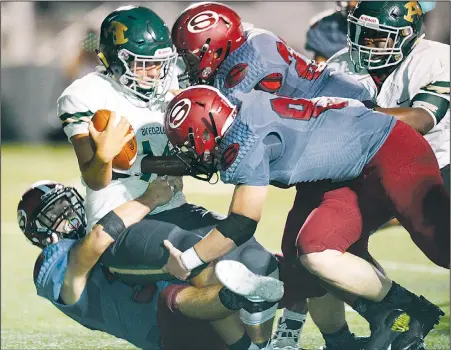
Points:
[[190, 259]]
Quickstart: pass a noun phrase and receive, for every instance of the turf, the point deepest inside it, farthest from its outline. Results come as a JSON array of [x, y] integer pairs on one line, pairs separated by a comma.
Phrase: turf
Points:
[[30, 322]]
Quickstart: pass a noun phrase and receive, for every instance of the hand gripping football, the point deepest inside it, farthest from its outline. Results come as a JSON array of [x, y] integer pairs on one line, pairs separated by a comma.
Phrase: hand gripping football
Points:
[[125, 159]]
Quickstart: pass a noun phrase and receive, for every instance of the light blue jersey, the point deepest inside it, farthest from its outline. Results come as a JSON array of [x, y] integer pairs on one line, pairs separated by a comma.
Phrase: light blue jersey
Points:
[[104, 305], [283, 140], [265, 62]]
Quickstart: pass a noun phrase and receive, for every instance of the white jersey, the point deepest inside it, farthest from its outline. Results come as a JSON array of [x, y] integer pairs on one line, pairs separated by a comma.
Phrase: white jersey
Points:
[[421, 80], [97, 91]]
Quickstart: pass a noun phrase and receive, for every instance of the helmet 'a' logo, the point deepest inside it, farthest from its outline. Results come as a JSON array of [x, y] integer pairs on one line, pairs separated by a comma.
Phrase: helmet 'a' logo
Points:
[[229, 155], [203, 21], [235, 75], [413, 9], [22, 219], [118, 30], [179, 113]]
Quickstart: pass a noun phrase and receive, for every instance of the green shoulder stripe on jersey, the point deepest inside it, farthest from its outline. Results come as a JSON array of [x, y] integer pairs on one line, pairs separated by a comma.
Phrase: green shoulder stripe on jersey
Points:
[[75, 115], [74, 122], [437, 105], [439, 87]]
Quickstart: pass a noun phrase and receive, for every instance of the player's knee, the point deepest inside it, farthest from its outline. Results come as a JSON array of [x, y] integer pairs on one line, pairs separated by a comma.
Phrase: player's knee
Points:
[[259, 260], [320, 261], [169, 298]]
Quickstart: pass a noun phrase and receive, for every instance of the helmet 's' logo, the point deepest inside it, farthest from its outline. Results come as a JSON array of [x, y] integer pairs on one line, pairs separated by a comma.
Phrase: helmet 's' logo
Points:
[[235, 75], [229, 155], [203, 21], [412, 9], [179, 113], [118, 30], [22, 219]]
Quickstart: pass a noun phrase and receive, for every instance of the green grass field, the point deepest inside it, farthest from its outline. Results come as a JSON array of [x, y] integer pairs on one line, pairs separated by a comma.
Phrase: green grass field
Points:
[[30, 322]]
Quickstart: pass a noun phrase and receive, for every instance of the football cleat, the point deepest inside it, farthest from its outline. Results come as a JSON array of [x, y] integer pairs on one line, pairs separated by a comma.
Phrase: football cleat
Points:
[[389, 328], [240, 280], [425, 315], [287, 334]]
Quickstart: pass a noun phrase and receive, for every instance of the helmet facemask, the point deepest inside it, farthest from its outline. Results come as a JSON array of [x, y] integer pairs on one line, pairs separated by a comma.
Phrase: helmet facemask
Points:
[[62, 213], [191, 72], [149, 89], [204, 157], [390, 43], [203, 161]]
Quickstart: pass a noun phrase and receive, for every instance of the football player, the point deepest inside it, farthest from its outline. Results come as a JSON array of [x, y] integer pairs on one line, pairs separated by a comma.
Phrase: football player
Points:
[[138, 60], [67, 273], [386, 43], [218, 51], [327, 33], [364, 158], [408, 76], [210, 38]]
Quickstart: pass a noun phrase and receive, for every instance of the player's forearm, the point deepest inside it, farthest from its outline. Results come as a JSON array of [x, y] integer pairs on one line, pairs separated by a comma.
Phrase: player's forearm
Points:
[[88, 251], [164, 165], [82, 258], [134, 211], [96, 173], [417, 118], [213, 246]]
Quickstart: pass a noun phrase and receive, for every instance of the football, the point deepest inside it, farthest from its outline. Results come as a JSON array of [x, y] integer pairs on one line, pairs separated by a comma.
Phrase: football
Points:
[[125, 159]]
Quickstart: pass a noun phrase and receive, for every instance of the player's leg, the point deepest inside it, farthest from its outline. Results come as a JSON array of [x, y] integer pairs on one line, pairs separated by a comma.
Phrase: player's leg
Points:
[[178, 332], [410, 177], [328, 311], [324, 239], [138, 254], [299, 284], [258, 260], [295, 309], [218, 305]]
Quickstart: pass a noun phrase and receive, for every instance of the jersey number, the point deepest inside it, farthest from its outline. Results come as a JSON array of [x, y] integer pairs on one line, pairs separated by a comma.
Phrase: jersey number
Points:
[[147, 150], [302, 109], [309, 71]]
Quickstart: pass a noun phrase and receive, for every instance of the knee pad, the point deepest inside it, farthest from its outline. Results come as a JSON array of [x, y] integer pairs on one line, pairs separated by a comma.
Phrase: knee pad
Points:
[[258, 260]]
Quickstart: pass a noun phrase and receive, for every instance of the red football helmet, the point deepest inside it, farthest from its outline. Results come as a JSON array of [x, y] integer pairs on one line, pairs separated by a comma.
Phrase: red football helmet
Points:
[[48, 207], [204, 35], [195, 121]]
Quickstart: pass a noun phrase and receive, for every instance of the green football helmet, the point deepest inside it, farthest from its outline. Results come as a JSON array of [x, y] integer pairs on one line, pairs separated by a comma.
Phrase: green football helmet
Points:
[[382, 33], [133, 39]]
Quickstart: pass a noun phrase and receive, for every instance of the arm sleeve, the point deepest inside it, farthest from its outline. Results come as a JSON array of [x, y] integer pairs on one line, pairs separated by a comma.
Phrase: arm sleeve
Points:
[[433, 98]]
